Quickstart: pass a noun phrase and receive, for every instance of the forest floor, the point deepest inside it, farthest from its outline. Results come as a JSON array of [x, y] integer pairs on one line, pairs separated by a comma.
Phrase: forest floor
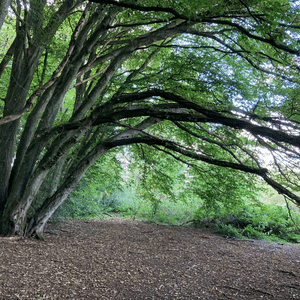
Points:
[[124, 259]]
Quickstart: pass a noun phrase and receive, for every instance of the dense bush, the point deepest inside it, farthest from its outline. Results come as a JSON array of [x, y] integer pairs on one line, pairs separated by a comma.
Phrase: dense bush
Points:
[[261, 221]]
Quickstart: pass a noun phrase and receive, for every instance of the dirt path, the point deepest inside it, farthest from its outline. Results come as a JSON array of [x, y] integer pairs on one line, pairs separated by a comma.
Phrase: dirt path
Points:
[[122, 259]]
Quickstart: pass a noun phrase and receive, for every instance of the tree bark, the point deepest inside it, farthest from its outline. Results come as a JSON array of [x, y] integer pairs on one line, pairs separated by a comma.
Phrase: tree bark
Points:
[[21, 195], [25, 62], [4, 4]]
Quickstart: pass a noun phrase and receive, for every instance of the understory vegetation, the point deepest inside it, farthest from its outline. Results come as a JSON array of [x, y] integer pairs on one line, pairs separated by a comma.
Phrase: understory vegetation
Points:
[[266, 219]]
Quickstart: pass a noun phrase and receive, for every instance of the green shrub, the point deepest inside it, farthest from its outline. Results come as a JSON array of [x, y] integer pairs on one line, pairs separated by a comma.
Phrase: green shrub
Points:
[[111, 203], [77, 208], [260, 221], [228, 230], [252, 233]]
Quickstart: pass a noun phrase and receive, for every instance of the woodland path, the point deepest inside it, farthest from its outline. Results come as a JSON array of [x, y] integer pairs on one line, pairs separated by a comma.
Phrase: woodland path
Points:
[[124, 259]]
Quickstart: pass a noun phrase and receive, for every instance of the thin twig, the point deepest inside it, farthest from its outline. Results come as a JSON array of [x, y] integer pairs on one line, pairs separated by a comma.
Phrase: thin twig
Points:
[[289, 211]]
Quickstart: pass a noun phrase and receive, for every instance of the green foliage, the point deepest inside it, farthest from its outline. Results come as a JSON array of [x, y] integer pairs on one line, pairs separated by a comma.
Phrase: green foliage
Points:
[[157, 177], [166, 212], [243, 219], [81, 207], [229, 231], [97, 191], [259, 221], [78, 208]]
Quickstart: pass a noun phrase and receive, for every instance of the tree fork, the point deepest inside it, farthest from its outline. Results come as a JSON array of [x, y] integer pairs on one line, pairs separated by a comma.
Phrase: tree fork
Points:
[[39, 220]]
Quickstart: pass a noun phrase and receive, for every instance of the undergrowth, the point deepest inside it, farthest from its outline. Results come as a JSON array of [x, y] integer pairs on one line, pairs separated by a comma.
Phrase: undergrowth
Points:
[[256, 221], [262, 221]]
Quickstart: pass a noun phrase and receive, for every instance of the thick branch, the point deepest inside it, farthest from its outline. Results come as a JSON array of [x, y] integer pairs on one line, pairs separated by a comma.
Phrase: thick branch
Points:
[[6, 59], [281, 189], [143, 8], [172, 112]]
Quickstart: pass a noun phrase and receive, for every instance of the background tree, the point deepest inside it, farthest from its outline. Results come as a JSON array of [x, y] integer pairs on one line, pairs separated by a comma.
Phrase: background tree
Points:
[[210, 83]]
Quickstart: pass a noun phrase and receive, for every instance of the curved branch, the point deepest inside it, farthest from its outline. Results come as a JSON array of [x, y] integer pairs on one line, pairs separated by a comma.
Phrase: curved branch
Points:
[[262, 172], [269, 41], [201, 19], [207, 115], [221, 145], [170, 111], [177, 148], [142, 8]]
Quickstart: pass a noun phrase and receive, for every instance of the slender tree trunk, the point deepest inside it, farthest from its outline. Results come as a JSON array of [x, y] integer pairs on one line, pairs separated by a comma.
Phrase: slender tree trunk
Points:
[[4, 4]]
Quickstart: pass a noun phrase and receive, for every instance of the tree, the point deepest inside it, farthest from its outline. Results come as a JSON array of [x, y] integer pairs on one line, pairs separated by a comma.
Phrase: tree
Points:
[[213, 83]]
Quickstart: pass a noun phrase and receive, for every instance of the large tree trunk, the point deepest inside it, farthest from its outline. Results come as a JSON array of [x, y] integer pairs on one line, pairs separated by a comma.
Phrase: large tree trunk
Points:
[[25, 61], [38, 221], [45, 112], [15, 99]]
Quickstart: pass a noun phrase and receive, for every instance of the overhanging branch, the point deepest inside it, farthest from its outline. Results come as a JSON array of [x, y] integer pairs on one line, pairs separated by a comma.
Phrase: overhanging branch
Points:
[[262, 172], [142, 8], [177, 148]]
